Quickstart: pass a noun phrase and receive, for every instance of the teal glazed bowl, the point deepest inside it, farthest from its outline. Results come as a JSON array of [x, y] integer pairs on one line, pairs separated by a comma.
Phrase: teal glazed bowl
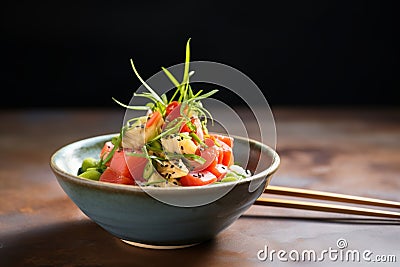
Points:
[[149, 217]]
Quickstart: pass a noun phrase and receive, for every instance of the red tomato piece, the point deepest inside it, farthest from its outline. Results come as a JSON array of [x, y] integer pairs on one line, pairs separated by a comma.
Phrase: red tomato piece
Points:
[[185, 129], [226, 139], [172, 112], [225, 156], [209, 154], [155, 117], [219, 170], [227, 159], [198, 178], [111, 176], [197, 124], [171, 107], [220, 156]]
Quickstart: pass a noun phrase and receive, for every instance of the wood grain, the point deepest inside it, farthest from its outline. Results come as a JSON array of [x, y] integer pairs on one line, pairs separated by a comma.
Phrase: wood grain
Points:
[[351, 151]]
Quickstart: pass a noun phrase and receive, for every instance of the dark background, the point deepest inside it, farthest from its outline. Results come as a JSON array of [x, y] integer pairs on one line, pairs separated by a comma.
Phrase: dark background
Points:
[[76, 54]]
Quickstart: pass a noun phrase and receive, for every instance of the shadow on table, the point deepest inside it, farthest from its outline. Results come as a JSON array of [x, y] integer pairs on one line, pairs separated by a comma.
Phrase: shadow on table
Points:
[[84, 243], [347, 220]]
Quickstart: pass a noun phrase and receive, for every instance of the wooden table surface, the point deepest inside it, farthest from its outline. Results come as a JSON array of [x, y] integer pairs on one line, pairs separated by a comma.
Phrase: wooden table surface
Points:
[[352, 151]]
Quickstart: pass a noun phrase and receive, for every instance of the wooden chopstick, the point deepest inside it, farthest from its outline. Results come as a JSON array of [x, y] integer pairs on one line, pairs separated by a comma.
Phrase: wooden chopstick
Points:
[[326, 207], [304, 205], [314, 194]]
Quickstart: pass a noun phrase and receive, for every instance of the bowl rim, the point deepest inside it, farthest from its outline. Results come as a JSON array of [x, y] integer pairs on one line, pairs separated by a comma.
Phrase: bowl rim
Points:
[[271, 169]]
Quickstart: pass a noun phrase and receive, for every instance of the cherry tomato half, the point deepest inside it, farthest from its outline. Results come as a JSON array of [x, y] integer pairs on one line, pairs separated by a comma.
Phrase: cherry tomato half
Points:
[[198, 178]]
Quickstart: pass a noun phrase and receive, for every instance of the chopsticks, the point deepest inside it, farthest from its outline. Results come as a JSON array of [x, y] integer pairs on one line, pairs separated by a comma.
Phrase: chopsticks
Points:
[[327, 207]]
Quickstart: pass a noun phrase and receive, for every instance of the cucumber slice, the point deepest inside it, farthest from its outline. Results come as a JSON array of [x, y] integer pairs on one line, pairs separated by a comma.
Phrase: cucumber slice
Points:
[[148, 170]]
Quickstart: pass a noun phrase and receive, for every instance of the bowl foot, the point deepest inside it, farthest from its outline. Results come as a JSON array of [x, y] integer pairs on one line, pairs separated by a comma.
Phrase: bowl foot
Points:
[[142, 245]]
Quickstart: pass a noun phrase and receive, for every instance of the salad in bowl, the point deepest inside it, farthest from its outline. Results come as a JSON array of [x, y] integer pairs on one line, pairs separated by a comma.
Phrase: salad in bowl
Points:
[[169, 145], [164, 180]]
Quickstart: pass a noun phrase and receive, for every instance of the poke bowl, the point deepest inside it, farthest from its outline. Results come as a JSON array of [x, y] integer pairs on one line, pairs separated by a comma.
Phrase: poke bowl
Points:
[[166, 179], [139, 217]]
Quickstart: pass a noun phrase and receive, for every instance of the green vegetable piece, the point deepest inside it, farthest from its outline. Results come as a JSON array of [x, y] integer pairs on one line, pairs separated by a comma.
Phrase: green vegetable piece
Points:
[[91, 175], [88, 163], [156, 145], [148, 170], [229, 179]]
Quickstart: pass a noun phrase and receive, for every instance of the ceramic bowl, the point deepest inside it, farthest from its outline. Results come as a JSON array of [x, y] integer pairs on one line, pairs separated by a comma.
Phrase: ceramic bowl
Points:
[[152, 217]]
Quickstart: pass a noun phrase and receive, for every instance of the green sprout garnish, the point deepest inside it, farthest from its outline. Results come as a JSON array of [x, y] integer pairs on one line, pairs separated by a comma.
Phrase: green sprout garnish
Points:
[[190, 123], [186, 95]]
